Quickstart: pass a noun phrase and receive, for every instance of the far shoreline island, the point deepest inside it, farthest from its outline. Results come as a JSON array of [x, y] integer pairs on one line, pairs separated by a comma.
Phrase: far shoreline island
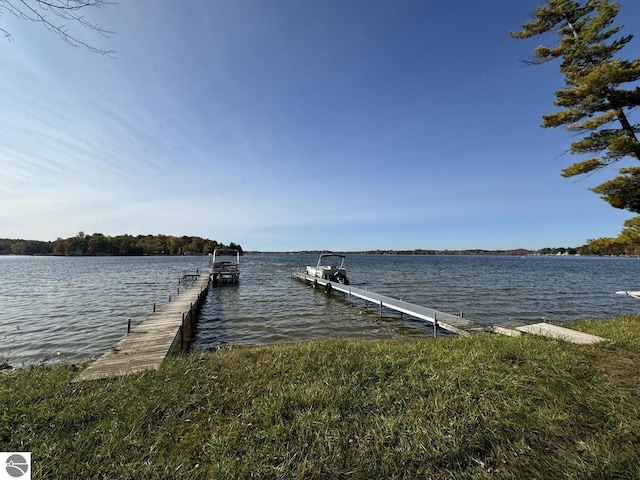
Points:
[[119, 245]]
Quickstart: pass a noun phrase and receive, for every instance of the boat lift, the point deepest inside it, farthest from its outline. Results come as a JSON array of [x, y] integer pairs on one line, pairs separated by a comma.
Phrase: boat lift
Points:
[[225, 270]]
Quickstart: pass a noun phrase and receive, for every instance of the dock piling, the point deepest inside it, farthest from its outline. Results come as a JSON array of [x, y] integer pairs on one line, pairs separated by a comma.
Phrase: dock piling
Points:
[[182, 326], [435, 325]]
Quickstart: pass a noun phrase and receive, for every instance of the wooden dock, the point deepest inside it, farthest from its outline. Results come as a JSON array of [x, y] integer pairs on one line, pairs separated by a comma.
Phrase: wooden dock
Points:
[[165, 332], [452, 323]]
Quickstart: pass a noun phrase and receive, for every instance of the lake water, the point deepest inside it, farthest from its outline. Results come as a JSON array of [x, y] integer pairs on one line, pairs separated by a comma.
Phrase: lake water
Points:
[[73, 308]]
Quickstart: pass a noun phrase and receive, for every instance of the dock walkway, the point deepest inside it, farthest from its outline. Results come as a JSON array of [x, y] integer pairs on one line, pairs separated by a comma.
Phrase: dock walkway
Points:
[[163, 333], [452, 323], [446, 321]]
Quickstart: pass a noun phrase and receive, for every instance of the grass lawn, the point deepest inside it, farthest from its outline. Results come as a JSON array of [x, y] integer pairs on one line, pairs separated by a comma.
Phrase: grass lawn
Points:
[[480, 407]]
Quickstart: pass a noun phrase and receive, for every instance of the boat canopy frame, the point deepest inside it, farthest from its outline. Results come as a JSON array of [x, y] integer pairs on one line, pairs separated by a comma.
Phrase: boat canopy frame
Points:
[[331, 254]]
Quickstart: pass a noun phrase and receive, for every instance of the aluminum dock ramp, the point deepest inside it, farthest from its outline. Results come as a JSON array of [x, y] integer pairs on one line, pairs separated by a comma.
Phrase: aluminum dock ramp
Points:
[[452, 323], [447, 321]]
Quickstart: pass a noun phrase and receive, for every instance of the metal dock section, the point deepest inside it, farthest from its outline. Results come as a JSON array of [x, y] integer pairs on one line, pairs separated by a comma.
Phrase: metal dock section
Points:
[[165, 332], [514, 329], [453, 323], [446, 321]]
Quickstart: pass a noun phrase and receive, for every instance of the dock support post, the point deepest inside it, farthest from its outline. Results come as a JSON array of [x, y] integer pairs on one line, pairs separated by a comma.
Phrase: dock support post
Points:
[[128, 326], [169, 298], [191, 320], [154, 307], [380, 309], [435, 326], [182, 334]]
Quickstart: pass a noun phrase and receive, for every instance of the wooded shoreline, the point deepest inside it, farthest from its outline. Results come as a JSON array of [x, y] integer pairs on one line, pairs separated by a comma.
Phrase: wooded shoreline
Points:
[[129, 245], [125, 245]]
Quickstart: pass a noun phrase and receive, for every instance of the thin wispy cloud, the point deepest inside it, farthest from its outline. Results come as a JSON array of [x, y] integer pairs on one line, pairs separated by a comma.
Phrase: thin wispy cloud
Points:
[[292, 125]]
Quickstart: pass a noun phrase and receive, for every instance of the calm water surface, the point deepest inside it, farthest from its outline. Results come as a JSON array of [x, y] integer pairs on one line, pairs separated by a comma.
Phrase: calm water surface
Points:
[[76, 308]]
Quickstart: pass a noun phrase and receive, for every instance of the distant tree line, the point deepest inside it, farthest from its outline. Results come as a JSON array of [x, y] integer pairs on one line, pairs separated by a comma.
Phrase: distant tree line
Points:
[[477, 251], [99, 244], [627, 243], [583, 250], [624, 244]]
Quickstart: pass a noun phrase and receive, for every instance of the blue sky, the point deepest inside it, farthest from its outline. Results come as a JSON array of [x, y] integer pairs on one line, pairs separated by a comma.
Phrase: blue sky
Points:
[[294, 124]]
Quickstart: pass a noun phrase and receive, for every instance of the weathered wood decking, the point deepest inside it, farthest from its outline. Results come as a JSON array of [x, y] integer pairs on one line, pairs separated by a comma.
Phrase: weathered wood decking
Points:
[[163, 333]]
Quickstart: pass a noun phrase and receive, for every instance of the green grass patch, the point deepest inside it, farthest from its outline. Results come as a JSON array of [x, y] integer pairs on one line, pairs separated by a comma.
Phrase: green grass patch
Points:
[[481, 407]]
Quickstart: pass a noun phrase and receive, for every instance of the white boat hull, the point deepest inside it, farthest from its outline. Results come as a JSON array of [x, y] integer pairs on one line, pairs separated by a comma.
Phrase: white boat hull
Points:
[[334, 273]]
